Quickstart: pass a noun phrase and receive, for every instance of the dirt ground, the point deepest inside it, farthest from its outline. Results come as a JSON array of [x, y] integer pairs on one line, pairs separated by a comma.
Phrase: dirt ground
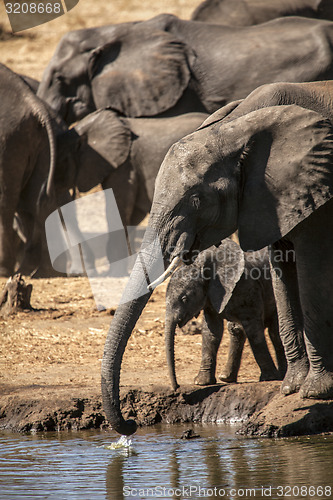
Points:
[[61, 342]]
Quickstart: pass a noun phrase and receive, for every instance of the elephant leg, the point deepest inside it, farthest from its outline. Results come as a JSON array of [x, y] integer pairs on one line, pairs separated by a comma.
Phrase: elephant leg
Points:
[[290, 316], [212, 331], [273, 331], [32, 249], [124, 184], [314, 262], [80, 258], [7, 244], [237, 340], [255, 332]]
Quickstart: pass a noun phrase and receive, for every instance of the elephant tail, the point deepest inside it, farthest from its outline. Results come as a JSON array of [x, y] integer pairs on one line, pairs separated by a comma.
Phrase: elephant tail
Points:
[[52, 143], [47, 191]]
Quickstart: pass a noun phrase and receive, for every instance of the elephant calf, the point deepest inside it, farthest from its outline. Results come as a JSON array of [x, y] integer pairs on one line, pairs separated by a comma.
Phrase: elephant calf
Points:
[[226, 283]]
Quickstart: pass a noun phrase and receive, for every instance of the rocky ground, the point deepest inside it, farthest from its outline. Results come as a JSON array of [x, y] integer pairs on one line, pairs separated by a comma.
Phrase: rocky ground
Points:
[[50, 356]]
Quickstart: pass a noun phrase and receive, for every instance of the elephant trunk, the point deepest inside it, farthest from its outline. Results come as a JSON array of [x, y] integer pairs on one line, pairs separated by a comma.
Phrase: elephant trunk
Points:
[[170, 330], [121, 328], [135, 297]]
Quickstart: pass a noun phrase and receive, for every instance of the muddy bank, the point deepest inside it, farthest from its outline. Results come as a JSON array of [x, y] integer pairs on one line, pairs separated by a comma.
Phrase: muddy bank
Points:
[[259, 406]]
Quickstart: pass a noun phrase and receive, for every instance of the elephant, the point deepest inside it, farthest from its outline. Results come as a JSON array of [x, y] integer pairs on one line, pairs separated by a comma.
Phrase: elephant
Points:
[[250, 12], [120, 153], [27, 166], [123, 154], [269, 175], [187, 65], [227, 284]]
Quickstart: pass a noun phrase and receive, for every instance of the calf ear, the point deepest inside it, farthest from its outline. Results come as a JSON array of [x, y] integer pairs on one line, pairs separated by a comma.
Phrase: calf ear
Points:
[[287, 171], [143, 74], [226, 270]]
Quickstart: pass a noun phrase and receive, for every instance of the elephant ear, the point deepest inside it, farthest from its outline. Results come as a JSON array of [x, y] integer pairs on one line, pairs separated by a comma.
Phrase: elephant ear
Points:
[[220, 114], [227, 266], [106, 144], [287, 171], [141, 74]]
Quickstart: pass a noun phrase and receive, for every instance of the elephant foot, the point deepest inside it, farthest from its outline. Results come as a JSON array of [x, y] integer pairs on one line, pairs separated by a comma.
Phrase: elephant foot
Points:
[[204, 378], [228, 377], [318, 386], [295, 377]]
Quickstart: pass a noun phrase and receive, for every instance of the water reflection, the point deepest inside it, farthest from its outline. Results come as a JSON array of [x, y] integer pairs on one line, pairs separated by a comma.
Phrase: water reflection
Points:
[[115, 474], [160, 464]]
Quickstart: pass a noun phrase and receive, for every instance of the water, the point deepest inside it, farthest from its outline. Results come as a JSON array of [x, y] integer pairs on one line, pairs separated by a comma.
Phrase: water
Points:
[[158, 464]]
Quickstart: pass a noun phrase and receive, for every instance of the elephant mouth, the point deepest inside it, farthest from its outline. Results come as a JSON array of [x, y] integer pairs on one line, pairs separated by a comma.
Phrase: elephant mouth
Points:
[[181, 257]]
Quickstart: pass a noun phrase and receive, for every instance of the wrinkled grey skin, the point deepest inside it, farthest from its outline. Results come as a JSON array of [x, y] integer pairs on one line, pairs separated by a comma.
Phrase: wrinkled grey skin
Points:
[[250, 12], [27, 164], [268, 174], [187, 65], [226, 283]]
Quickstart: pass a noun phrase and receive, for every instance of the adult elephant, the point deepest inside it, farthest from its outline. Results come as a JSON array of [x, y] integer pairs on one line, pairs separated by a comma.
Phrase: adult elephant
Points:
[[269, 174], [250, 12], [27, 166], [187, 65]]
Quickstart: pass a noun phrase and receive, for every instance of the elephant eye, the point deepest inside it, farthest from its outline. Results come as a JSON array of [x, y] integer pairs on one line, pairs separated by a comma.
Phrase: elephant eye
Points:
[[195, 201], [183, 299]]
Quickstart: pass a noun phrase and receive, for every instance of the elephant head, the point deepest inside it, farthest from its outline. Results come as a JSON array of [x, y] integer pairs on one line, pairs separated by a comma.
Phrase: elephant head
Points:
[[104, 66], [210, 279], [263, 174], [137, 86], [89, 152], [105, 143], [65, 84]]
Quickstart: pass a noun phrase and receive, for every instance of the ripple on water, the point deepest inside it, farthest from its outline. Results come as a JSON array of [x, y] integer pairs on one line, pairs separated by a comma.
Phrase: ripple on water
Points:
[[85, 465]]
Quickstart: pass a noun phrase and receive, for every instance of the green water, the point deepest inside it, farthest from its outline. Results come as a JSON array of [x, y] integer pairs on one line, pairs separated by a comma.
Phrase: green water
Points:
[[159, 464]]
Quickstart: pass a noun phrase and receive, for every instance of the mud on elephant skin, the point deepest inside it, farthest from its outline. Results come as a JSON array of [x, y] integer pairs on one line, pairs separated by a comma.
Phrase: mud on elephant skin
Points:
[[268, 174], [250, 12], [187, 65], [226, 283]]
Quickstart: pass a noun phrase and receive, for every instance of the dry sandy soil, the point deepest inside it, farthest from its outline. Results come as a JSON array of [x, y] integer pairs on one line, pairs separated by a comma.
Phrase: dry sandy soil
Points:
[[53, 353]]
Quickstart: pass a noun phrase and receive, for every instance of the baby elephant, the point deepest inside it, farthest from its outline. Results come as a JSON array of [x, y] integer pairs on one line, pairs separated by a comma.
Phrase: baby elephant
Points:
[[226, 283]]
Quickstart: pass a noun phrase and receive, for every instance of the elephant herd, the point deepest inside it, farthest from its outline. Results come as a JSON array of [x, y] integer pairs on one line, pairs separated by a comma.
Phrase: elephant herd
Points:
[[217, 125]]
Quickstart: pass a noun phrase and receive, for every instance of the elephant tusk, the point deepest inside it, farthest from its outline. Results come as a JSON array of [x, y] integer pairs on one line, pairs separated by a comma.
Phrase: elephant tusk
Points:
[[176, 262]]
